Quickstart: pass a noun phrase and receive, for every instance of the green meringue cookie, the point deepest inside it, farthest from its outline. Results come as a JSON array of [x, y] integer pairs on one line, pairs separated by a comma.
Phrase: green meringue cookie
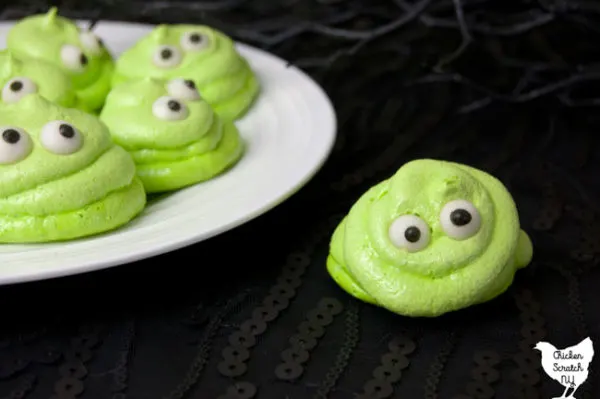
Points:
[[21, 77], [434, 238], [61, 176], [196, 52], [77, 52], [173, 135]]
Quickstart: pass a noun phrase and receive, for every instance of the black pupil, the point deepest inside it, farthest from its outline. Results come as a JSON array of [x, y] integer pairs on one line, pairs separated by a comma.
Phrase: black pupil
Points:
[[166, 53], [190, 84], [16, 86], [174, 105], [460, 217], [83, 59], [66, 131], [195, 38], [11, 136], [412, 234]]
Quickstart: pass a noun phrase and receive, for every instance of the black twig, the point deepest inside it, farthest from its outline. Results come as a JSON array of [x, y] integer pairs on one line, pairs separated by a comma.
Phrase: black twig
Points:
[[519, 97], [257, 28], [410, 15], [466, 37], [194, 5], [518, 28]]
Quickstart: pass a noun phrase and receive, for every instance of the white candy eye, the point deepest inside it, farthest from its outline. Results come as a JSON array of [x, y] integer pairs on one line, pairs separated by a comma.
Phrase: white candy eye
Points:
[[91, 42], [409, 232], [73, 58], [15, 145], [194, 41], [167, 57], [17, 88], [183, 89], [60, 137], [460, 219], [170, 109]]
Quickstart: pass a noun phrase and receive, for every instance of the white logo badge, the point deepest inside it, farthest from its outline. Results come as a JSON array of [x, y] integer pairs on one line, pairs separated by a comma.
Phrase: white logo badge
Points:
[[568, 366]]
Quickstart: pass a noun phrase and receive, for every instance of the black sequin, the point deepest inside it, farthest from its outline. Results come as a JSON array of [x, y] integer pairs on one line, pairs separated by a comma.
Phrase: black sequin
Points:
[[166, 53], [83, 59], [195, 38]]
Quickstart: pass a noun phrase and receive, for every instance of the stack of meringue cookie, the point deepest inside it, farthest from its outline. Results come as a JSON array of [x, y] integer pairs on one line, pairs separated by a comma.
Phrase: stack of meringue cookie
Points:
[[84, 137]]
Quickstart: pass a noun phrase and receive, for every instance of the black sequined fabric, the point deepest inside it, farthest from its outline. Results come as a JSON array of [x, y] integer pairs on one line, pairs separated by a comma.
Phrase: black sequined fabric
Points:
[[510, 87]]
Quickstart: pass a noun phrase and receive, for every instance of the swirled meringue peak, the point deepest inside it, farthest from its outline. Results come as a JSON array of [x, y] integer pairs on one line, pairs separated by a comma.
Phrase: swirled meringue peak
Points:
[[78, 52], [20, 77], [61, 176], [434, 238], [206, 56], [172, 133]]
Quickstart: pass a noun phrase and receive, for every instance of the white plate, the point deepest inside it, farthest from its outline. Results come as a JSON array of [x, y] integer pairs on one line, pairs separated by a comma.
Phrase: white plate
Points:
[[289, 132]]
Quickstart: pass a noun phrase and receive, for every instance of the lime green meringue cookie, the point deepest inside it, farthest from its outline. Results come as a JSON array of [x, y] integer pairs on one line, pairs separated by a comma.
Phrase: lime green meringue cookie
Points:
[[434, 238], [204, 55], [77, 52], [21, 77], [61, 176], [173, 135]]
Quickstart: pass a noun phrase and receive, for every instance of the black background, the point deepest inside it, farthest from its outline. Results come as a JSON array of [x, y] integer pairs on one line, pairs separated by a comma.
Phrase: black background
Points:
[[509, 89]]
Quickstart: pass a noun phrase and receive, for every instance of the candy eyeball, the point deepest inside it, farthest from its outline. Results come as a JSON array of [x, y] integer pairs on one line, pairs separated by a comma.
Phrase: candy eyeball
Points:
[[73, 58], [184, 89], [17, 88], [167, 57], [61, 138], [15, 145], [460, 219], [194, 41], [409, 232], [169, 109], [91, 42]]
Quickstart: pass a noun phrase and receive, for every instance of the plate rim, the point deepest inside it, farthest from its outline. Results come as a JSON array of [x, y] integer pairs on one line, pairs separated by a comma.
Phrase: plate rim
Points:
[[94, 265]]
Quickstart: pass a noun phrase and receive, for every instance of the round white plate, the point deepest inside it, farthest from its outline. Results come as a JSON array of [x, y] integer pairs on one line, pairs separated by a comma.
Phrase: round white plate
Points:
[[289, 133]]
